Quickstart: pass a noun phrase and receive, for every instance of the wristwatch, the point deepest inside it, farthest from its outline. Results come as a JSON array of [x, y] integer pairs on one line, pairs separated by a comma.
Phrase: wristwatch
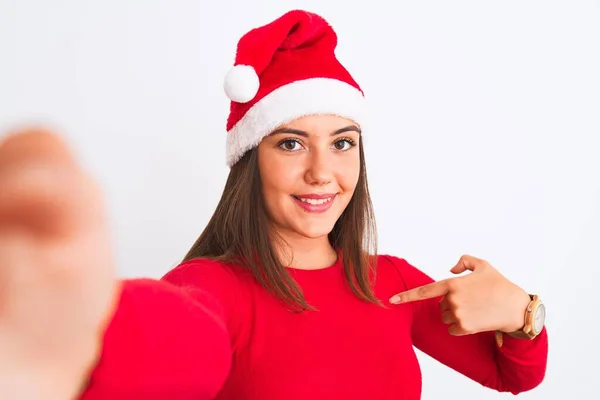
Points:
[[535, 316]]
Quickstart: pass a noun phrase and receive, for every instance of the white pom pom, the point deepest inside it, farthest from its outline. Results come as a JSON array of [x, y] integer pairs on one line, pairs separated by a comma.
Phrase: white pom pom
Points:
[[241, 83]]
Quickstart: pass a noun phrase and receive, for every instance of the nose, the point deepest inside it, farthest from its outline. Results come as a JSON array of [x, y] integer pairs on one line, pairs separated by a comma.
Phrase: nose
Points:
[[319, 171]]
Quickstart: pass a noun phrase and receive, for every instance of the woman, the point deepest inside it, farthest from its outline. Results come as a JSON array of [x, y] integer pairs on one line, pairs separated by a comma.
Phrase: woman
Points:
[[282, 296]]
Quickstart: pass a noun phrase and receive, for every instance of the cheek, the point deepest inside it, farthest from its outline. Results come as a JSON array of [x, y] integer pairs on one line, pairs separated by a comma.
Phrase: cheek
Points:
[[279, 178], [348, 174]]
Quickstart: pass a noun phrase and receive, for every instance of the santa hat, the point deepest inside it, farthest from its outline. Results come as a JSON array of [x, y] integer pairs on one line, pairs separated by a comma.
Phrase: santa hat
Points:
[[282, 71]]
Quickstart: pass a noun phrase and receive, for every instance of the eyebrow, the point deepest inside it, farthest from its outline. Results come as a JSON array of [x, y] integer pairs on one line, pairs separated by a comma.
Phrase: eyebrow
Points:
[[299, 132]]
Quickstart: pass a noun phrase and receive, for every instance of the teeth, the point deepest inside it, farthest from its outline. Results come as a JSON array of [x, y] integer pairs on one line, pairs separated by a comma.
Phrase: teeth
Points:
[[316, 201]]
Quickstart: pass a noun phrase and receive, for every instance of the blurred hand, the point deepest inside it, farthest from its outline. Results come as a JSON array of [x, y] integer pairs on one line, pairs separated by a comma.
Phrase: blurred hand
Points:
[[58, 283]]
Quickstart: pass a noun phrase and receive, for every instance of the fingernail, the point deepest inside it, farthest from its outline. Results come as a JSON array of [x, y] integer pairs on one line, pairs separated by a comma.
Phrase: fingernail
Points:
[[395, 299]]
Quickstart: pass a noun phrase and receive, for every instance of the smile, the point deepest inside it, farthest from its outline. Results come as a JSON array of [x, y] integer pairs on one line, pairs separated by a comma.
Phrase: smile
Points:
[[315, 203]]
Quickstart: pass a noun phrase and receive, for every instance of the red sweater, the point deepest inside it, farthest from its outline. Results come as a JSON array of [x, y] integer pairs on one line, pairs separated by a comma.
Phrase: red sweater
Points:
[[206, 330]]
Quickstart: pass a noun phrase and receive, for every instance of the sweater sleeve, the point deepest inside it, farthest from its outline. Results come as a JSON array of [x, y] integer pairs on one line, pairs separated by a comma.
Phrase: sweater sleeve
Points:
[[518, 366], [167, 339]]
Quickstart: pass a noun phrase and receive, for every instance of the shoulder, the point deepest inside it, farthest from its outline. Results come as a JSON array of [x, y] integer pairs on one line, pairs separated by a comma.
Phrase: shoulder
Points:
[[219, 286], [387, 263], [204, 272], [211, 282], [394, 267]]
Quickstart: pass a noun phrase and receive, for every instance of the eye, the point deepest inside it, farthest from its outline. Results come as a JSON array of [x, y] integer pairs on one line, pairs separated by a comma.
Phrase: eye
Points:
[[290, 145], [344, 144]]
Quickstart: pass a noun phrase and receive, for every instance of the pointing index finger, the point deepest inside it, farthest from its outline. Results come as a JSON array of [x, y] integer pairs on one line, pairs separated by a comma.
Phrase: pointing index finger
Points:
[[424, 292]]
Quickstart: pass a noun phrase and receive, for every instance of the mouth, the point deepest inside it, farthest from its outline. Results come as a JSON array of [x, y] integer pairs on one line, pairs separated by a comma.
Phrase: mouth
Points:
[[315, 203]]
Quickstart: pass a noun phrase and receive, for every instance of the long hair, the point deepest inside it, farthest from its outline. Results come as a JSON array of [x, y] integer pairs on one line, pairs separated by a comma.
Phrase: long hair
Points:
[[239, 232]]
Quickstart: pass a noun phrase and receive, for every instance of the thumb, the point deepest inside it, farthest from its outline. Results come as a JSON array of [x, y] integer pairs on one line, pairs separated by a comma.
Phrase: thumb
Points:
[[458, 269], [465, 263]]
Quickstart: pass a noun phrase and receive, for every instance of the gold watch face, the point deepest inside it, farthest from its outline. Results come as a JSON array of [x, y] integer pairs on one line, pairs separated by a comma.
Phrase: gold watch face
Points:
[[539, 318]]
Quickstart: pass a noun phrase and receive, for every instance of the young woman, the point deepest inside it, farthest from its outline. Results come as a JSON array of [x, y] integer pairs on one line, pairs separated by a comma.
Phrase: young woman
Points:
[[282, 295]]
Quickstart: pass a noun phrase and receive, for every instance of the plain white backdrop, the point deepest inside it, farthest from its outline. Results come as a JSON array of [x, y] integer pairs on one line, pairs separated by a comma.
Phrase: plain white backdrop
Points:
[[485, 138]]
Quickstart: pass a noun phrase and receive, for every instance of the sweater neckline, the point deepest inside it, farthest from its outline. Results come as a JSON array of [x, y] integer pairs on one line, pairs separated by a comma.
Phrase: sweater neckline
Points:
[[332, 267]]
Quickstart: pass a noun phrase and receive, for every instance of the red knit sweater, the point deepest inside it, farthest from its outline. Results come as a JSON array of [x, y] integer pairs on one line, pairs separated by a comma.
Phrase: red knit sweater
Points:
[[207, 331]]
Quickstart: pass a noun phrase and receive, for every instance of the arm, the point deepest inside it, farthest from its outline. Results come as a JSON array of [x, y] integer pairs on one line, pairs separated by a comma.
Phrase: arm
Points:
[[167, 339], [518, 366]]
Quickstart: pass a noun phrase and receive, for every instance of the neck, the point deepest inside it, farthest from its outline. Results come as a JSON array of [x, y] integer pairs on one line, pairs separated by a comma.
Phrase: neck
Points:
[[306, 253]]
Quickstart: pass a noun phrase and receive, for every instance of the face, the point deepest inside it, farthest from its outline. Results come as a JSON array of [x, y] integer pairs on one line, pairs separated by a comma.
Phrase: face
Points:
[[309, 170]]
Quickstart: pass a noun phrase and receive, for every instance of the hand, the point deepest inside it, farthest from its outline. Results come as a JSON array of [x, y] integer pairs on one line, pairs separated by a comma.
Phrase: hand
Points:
[[57, 278], [483, 300]]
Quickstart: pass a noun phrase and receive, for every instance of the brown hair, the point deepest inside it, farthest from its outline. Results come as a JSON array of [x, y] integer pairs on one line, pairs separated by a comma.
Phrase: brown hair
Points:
[[239, 232]]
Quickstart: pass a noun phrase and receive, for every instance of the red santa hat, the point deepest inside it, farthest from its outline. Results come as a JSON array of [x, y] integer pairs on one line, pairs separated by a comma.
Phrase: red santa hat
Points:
[[282, 71]]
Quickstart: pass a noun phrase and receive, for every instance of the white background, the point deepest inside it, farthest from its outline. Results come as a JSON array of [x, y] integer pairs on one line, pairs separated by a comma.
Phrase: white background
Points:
[[485, 138]]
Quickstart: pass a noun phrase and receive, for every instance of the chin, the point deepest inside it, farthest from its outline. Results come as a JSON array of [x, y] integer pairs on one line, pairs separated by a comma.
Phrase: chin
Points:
[[314, 231]]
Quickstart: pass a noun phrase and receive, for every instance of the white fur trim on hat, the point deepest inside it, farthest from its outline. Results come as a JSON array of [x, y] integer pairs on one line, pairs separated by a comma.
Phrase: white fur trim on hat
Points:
[[294, 100]]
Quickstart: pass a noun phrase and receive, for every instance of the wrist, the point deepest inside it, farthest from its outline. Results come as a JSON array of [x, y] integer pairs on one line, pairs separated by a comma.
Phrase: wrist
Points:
[[520, 310], [533, 322]]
